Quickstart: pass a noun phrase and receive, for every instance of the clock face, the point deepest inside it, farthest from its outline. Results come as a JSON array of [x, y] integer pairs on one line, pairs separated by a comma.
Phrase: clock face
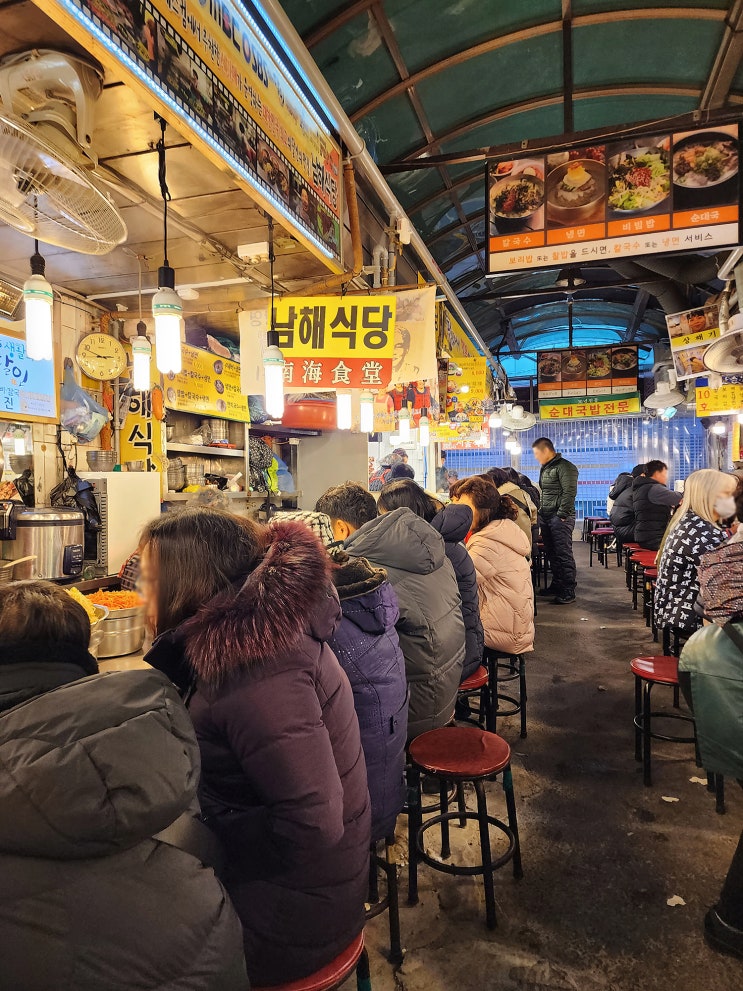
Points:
[[101, 357]]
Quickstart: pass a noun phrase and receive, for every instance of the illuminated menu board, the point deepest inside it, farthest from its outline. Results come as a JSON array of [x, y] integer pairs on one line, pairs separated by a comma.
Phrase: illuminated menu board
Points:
[[587, 372], [644, 195]]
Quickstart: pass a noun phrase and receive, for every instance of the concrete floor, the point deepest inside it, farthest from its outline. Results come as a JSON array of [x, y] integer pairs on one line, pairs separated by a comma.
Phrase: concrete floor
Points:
[[602, 854]]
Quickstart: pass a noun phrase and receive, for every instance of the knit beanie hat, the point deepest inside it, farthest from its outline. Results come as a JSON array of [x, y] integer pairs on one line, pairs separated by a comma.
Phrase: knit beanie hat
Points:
[[319, 523]]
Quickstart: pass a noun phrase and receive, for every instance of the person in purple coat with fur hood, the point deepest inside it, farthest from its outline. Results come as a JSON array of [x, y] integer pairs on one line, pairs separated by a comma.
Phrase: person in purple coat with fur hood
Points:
[[368, 648], [242, 616]]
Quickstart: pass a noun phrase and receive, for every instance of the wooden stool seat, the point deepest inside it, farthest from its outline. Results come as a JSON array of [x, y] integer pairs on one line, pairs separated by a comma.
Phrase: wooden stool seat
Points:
[[460, 752]]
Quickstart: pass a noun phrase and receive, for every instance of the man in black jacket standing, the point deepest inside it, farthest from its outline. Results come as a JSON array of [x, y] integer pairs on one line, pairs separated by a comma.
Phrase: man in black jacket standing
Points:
[[653, 503], [558, 481]]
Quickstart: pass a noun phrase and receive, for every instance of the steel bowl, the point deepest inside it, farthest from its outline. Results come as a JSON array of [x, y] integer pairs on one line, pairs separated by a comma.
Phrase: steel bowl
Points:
[[97, 629], [122, 632], [101, 460], [575, 214]]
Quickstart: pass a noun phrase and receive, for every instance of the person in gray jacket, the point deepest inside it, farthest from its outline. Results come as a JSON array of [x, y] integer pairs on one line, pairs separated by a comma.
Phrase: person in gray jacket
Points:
[[93, 767], [430, 628]]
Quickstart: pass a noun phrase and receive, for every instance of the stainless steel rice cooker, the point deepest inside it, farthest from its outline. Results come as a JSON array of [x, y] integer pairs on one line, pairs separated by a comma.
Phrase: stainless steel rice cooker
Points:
[[54, 537]]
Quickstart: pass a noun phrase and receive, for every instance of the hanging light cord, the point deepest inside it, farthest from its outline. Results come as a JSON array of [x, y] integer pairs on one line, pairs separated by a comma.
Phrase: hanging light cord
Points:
[[271, 259], [164, 191]]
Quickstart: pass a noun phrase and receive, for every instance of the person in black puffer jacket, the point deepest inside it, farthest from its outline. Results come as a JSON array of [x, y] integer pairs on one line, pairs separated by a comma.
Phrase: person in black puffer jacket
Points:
[[453, 523], [653, 502], [94, 766], [622, 513]]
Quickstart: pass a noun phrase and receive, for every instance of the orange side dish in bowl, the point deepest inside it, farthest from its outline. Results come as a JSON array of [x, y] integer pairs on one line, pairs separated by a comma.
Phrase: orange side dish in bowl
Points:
[[116, 600]]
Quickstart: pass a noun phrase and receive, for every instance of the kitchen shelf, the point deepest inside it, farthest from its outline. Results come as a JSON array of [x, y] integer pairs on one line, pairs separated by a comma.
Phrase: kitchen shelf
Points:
[[205, 450], [185, 496]]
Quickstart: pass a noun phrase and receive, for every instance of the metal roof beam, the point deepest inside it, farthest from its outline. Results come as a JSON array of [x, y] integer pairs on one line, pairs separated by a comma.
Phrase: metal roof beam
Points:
[[567, 66], [345, 14], [687, 121], [726, 62], [635, 318]]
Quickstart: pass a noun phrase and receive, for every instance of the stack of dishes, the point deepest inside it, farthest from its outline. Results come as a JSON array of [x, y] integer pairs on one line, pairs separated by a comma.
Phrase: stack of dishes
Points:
[[176, 475]]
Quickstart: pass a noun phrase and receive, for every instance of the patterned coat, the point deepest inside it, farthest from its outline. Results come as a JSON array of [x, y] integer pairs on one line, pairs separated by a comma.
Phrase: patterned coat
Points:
[[677, 587]]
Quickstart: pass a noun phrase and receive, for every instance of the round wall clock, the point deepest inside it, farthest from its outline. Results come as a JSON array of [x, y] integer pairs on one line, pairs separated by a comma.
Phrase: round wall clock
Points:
[[101, 357]]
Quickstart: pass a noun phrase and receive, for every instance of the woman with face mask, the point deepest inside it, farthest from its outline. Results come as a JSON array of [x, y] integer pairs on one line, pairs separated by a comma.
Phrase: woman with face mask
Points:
[[696, 529]]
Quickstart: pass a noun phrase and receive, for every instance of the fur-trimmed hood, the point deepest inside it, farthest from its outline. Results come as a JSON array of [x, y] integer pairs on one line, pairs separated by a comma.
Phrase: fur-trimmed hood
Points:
[[289, 596]]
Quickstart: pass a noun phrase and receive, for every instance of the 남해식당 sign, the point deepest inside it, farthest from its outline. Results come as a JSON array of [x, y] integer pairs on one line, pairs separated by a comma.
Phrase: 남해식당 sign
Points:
[[645, 194], [589, 406], [328, 342], [217, 65]]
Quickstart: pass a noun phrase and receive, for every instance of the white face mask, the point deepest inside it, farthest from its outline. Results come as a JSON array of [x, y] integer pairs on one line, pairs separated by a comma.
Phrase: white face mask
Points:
[[725, 507]]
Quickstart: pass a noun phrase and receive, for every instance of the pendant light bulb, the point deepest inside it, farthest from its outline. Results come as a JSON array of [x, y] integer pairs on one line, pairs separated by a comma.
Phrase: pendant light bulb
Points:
[[367, 413], [343, 411], [495, 421], [38, 297], [167, 309], [403, 420], [719, 428], [19, 443], [141, 360], [424, 429], [273, 369]]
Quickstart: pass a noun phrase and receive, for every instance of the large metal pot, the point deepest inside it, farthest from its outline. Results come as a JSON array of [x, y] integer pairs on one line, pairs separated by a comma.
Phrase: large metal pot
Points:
[[54, 537], [122, 632]]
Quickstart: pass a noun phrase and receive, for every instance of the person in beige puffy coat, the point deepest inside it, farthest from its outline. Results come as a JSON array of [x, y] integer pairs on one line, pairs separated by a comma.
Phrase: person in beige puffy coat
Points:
[[499, 551]]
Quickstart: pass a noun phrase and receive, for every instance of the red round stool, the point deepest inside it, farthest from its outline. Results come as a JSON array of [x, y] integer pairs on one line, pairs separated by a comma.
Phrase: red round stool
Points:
[[354, 957], [640, 560], [457, 753], [650, 671], [602, 537], [478, 684], [628, 550]]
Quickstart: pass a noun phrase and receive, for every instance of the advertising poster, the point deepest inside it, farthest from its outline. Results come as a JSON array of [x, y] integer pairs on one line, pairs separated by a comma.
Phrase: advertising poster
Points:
[[572, 409], [577, 372], [451, 336], [414, 352], [28, 388], [643, 195], [216, 64], [467, 390], [328, 342], [207, 384], [691, 333]]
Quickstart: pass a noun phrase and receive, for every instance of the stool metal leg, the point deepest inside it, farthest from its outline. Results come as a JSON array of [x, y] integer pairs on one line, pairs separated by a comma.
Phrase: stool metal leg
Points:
[[461, 804], [522, 694], [646, 717], [482, 816], [638, 711], [415, 819], [393, 897], [363, 972], [513, 824], [445, 846], [373, 898]]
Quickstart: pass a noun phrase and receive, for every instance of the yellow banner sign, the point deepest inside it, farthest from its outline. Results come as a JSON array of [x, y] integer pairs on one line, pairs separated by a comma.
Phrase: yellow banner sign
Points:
[[218, 68], [727, 399], [467, 389], [209, 385], [451, 336], [591, 406]]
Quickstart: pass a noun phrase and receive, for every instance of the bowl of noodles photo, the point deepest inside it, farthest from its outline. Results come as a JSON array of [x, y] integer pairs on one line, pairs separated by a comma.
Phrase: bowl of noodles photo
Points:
[[575, 190]]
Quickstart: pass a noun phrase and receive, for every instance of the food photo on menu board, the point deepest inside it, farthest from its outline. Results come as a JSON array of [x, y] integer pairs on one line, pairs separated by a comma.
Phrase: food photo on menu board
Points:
[[587, 371], [576, 194], [516, 193], [691, 333]]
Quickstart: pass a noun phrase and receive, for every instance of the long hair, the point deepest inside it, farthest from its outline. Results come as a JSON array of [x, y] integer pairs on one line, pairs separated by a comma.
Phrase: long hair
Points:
[[404, 492], [701, 490], [489, 504], [197, 553]]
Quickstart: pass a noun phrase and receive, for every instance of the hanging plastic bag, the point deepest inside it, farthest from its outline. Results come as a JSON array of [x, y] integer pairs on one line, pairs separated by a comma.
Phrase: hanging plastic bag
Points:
[[81, 415]]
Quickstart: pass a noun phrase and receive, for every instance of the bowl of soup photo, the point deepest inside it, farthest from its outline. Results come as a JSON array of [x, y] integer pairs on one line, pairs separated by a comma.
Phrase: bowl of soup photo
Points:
[[573, 366]]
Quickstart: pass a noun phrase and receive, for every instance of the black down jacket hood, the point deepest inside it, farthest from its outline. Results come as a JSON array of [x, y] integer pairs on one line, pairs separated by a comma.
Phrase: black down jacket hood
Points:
[[89, 900]]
